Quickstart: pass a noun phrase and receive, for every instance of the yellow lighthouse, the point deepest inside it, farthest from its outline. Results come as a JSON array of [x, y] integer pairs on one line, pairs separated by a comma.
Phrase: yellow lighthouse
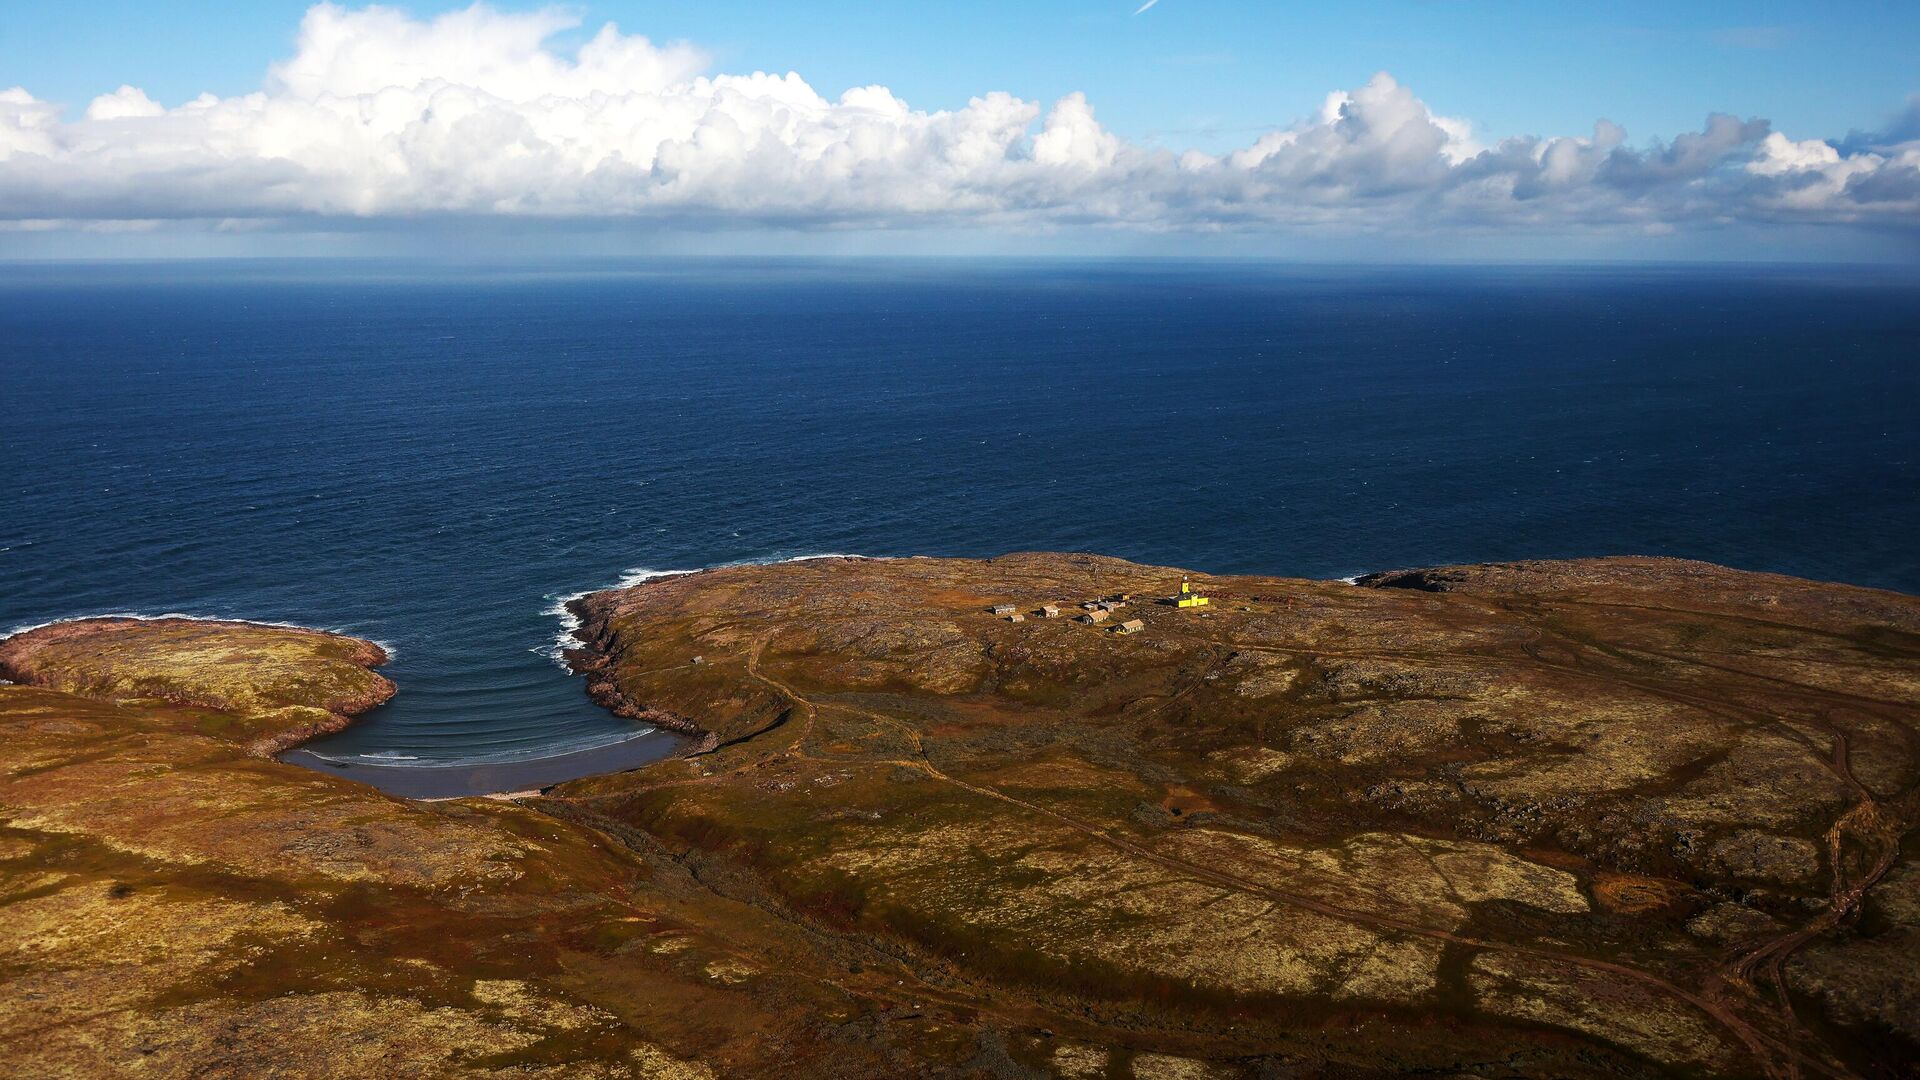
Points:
[[1187, 597]]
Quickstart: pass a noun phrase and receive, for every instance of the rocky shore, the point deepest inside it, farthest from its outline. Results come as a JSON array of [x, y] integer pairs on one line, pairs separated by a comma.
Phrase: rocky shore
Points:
[[1601, 818], [593, 660], [299, 683]]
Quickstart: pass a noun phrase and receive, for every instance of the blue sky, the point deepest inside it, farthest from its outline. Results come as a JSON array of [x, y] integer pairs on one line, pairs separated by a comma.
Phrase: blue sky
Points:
[[1207, 76]]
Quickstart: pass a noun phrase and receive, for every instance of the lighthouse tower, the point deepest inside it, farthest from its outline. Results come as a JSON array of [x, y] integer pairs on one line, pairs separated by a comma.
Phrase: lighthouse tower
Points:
[[1187, 597]]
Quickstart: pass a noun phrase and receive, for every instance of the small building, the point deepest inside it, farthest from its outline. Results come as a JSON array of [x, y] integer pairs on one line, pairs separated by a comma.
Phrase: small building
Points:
[[1187, 598], [1090, 605], [1131, 626], [1004, 609], [1094, 617], [1016, 617], [1050, 611], [1112, 605]]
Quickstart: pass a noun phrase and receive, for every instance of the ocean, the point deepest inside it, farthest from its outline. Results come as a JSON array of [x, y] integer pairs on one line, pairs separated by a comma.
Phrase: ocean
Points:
[[434, 456]]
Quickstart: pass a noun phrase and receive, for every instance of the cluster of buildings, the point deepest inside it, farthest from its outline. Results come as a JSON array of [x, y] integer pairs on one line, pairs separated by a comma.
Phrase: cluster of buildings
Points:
[[1101, 611]]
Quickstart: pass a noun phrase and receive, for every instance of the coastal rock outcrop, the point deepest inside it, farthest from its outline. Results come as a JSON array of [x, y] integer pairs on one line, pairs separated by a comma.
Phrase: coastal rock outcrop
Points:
[[1600, 818], [1580, 818], [284, 684]]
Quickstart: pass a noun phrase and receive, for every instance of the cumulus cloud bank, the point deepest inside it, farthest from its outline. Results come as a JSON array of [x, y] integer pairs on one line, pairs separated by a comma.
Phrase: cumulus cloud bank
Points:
[[381, 115]]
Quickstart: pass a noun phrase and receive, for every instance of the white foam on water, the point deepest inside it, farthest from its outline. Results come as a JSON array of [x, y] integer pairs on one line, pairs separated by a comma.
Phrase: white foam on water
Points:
[[641, 575], [141, 616], [556, 650], [1354, 580]]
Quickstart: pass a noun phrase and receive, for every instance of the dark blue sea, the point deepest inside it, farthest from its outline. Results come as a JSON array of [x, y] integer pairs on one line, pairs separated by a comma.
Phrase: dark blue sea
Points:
[[434, 455]]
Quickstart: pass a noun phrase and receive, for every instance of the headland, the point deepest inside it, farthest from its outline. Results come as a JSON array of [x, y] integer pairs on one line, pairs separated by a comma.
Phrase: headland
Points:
[[1614, 817]]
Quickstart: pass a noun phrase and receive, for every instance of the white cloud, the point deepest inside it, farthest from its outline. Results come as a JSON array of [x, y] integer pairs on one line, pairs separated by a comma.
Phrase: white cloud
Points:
[[380, 115], [344, 53], [1074, 139], [123, 103]]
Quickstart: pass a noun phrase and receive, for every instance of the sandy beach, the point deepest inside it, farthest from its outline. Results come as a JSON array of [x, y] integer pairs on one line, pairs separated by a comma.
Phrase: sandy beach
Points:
[[494, 778]]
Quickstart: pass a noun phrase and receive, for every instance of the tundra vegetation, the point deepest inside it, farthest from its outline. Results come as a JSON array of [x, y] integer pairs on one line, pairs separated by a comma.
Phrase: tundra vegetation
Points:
[[1621, 817]]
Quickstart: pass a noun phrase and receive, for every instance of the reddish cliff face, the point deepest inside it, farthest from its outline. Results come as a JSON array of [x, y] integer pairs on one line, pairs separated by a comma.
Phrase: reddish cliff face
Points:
[[1602, 818]]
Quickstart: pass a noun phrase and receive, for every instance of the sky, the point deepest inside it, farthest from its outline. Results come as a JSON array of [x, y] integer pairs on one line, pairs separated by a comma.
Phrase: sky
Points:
[[1422, 128]]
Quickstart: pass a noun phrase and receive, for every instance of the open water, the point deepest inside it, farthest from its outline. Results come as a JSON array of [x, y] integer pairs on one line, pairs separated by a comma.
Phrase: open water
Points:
[[433, 456]]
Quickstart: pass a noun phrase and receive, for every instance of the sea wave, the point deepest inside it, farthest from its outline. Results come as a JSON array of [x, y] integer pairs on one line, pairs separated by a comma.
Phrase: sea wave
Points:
[[556, 649], [392, 650]]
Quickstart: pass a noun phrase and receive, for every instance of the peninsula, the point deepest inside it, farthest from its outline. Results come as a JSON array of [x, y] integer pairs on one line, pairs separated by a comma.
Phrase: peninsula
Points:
[[1598, 818]]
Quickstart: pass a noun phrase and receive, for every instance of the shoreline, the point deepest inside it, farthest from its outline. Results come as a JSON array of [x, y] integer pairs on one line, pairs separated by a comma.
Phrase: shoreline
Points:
[[571, 649], [526, 777], [585, 647], [592, 657], [518, 778]]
